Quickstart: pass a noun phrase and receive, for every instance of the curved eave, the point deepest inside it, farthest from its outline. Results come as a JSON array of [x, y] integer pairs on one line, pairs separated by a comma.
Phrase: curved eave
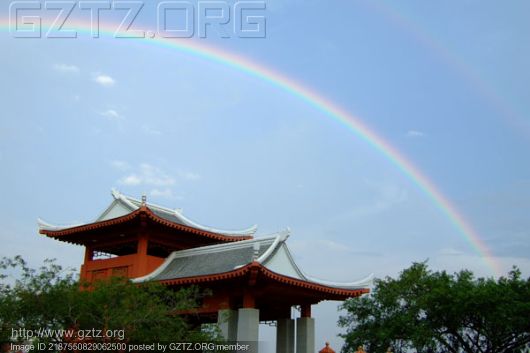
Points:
[[43, 225], [280, 241], [248, 231], [208, 234], [55, 233], [365, 282], [135, 203], [342, 293], [142, 210]]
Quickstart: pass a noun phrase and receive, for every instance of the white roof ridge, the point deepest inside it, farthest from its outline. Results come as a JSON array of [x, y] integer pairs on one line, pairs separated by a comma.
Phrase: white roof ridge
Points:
[[280, 239], [289, 257], [247, 231], [152, 205], [121, 197], [363, 283], [134, 204], [156, 272], [43, 225], [221, 247], [178, 213]]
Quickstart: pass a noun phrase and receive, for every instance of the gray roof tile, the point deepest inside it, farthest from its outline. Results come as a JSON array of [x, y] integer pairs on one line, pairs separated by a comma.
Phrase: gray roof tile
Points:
[[214, 262]]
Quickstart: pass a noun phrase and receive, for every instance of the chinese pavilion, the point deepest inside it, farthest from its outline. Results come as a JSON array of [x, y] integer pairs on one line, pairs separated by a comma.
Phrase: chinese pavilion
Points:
[[252, 280]]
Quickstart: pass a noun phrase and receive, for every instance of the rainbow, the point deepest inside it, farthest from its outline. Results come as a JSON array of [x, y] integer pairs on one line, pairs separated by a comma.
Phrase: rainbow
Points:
[[325, 106]]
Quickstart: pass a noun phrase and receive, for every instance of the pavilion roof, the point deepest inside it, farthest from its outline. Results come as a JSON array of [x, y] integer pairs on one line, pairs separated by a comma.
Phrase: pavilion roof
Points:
[[269, 255], [123, 206]]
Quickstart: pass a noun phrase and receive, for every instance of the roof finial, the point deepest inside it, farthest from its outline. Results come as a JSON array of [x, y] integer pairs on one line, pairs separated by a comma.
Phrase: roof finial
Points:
[[144, 199]]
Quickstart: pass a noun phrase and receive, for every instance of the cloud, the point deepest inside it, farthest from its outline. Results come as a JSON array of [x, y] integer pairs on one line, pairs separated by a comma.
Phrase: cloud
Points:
[[164, 193], [187, 175], [120, 165], [151, 131], [148, 175], [66, 69], [112, 114], [104, 80], [155, 176], [415, 134], [131, 180]]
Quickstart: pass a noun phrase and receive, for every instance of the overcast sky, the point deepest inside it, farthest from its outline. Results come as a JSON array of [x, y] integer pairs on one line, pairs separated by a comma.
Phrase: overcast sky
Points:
[[446, 83]]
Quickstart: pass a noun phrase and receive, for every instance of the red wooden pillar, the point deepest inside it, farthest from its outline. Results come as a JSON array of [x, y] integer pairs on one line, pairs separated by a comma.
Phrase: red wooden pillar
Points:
[[89, 253], [141, 250], [249, 301], [89, 256], [141, 255], [305, 310]]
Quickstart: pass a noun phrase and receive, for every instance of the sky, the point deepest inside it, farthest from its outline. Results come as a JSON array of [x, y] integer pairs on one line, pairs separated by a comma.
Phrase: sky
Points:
[[444, 83]]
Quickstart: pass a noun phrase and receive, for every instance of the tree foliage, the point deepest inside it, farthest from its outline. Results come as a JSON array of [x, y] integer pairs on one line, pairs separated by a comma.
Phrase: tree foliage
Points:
[[52, 299], [431, 312]]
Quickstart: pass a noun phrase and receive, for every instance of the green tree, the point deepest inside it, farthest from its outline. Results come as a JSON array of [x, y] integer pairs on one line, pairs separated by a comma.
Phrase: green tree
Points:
[[52, 299], [431, 312]]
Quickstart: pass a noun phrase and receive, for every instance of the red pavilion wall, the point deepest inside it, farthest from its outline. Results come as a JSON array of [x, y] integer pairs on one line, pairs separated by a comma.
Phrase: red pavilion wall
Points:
[[122, 266]]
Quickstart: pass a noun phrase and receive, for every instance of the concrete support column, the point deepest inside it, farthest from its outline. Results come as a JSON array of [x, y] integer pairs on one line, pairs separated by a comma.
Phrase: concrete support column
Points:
[[247, 324], [305, 335], [227, 320], [284, 336], [248, 327]]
